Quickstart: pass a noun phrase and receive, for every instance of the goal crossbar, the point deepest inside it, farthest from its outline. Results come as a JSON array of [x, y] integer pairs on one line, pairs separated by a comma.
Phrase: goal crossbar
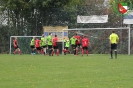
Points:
[[120, 28]]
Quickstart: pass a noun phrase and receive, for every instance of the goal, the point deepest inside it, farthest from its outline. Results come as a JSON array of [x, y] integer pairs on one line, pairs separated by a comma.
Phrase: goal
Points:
[[23, 43], [99, 39]]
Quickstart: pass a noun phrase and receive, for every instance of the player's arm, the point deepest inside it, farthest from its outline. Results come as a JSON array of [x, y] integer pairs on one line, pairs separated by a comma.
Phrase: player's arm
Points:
[[14, 43], [110, 39], [117, 39]]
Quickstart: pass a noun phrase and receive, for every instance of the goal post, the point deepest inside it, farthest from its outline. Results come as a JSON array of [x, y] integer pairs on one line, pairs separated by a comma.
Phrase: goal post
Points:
[[125, 35], [23, 41]]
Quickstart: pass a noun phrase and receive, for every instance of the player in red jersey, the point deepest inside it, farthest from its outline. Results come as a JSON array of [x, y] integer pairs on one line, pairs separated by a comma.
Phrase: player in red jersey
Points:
[[37, 45], [85, 44], [55, 46], [78, 43], [15, 44]]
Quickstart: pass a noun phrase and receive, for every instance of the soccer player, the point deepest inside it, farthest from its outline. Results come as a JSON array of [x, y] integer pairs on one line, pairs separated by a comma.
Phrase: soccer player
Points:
[[78, 43], [32, 45], [73, 44], [67, 45], [15, 44], [114, 39], [55, 46], [85, 44], [49, 42], [43, 44], [37, 45]]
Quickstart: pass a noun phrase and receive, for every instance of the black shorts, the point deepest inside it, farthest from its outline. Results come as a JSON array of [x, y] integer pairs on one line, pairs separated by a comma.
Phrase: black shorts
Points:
[[32, 46], [73, 46], [44, 46], [78, 45], [38, 48], [16, 47], [49, 46], [66, 48], [85, 48], [55, 47], [113, 46]]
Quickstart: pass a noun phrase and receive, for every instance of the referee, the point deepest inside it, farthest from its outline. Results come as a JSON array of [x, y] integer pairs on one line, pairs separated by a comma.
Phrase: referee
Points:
[[114, 39]]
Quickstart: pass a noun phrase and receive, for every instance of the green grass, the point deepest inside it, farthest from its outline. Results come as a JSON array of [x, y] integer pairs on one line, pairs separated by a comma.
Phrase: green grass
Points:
[[38, 71]]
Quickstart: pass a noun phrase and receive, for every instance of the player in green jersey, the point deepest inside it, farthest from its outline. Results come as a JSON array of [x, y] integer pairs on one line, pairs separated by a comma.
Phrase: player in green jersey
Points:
[[73, 44], [43, 44], [114, 39], [67, 45], [49, 43], [32, 45]]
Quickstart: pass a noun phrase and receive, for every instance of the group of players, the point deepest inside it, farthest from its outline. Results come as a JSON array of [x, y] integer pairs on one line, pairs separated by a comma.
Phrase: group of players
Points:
[[41, 45], [77, 44]]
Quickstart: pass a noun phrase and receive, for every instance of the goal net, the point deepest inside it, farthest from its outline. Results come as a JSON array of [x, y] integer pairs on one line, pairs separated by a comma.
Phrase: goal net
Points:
[[23, 43], [99, 39]]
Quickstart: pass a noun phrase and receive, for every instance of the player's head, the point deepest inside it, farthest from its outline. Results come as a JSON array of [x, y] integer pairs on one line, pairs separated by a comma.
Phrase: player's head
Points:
[[55, 35], [113, 31], [76, 34], [15, 37], [50, 33], [84, 36], [33, 37]]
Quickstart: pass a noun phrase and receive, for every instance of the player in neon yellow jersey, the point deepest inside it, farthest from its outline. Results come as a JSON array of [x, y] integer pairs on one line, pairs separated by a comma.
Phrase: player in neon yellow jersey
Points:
[[73, 44], [43, 44], [49, 42], [114, 39]]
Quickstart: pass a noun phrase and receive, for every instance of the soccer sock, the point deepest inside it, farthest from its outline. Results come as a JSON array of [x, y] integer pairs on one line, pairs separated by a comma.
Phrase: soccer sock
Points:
[[87, 52], [19, 52], [14, 51], [82, 51], [111, 52], [40, 51], [115, 54], [52, 52], [34, 50], [44, 50], [66, 50], [74, 51], [57, 53]]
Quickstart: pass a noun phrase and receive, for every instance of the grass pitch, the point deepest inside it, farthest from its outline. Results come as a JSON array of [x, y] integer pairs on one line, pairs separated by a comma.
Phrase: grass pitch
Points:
[[38, 71]]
